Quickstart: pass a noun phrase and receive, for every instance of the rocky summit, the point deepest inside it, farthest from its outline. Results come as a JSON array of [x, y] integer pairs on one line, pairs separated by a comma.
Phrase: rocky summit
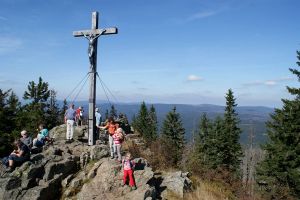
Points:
[[78, 171]]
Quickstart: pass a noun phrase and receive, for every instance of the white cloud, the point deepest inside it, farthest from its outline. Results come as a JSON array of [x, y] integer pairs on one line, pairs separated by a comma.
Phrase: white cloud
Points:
[[9, 44], [201, 15], [194, 78], [268, 82]]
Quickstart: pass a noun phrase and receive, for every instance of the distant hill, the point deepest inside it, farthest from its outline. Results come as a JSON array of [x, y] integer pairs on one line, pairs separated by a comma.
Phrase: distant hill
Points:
[[252, 117]]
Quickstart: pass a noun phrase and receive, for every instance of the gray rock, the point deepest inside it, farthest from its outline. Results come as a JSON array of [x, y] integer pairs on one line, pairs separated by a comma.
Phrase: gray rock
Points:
[[99, 151], [64, 167], [176, 184], [59, 132]]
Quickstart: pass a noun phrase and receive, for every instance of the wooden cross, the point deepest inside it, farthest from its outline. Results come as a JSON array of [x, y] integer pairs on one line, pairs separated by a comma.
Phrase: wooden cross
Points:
[[92, 36]]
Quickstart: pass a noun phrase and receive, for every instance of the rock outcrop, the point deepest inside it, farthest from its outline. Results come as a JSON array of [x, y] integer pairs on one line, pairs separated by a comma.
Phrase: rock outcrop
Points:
[[78, 171]]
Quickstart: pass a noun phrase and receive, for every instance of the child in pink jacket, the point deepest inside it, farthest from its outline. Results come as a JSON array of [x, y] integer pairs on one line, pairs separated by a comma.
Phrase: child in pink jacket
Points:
[[128, 167]]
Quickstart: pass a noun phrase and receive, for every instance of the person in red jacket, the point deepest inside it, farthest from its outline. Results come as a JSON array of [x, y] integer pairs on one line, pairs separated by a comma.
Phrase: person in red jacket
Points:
[[128, 167]]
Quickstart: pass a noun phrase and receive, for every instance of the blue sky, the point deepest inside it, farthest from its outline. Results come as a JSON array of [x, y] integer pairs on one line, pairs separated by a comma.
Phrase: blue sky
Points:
[[167, 51]]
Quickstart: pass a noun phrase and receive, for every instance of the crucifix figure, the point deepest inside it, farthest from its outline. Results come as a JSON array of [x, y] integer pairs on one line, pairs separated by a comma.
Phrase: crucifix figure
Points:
[[92, 36], [91, 50]]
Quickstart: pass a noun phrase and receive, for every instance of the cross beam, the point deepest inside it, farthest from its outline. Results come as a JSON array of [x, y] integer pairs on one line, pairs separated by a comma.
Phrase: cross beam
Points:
[[107, 31], [92, 36]]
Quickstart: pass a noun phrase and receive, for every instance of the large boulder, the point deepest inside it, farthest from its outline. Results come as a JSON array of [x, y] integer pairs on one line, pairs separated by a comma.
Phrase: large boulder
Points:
[[175, 184], [105, 182], [59, 132]]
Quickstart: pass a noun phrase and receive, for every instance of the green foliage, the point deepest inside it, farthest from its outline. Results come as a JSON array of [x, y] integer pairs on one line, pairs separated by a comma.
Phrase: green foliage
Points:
[[41, 108], [172, 135], [217, 143], [280, 169], [53, 111], [146, 123], [152, 124], [113, 112], [106, 114], [231, 148], [63, 111], [37, 93], [9, 109]]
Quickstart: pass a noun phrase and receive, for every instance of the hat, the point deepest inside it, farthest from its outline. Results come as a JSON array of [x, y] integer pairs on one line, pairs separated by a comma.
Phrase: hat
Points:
[[23, 132]]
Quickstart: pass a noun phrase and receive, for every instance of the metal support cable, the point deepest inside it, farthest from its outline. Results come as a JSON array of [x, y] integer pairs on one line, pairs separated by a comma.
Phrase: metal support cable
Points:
[[102, 83], [78, 85], [80, 89]]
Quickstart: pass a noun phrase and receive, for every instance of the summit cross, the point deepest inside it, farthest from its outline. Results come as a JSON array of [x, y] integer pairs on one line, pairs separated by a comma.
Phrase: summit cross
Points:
[[92, 37]]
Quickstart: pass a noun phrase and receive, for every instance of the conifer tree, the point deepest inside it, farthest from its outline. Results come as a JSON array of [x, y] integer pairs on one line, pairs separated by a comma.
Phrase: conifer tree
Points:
[[152, 124], [231, 151], [53, 112], [113, 112], [9, 109], [202, 137], [34, 113], [172, 134], [215, 144], [281, 168], [63, 111], [141, 120]]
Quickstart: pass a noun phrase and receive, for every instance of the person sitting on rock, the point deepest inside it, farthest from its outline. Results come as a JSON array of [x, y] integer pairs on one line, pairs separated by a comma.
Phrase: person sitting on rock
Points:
[[26, 139], [42, 137], [19, 156], [118, 139], [112, 127], [128, 167]]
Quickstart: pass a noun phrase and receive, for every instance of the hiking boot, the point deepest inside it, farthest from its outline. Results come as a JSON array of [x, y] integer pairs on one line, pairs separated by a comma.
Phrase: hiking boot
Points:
[[9, 169], [111, 157], [132, 188]]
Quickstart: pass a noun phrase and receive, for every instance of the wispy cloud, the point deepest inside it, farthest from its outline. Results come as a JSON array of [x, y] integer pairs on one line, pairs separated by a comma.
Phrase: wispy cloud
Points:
[[194, 78], [268, 82], [201, 15], [8, 82], [3, 18], [9, 44]]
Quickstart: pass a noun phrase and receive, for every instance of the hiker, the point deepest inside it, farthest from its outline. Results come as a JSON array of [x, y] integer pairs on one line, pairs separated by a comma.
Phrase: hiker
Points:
[[112, 127], [98, 121], [70, 116], [79, 116], [26, 139], [118, 139], [18, 157], [128, 167], [42, 137]]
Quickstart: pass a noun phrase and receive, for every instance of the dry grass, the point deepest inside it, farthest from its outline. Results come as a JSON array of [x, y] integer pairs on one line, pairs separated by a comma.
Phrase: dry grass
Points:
[[209, 191]]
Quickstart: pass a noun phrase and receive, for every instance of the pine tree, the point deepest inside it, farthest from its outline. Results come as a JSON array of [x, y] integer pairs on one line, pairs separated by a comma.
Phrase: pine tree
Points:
[[106, 114], [172, 134], [113, 112], [35, 112], [215, 144], [152, 124], [141, 120], [63, 111], [37, 93], [231, 151], [281, 168], [53, 112], [9, 109], [202, 138]]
